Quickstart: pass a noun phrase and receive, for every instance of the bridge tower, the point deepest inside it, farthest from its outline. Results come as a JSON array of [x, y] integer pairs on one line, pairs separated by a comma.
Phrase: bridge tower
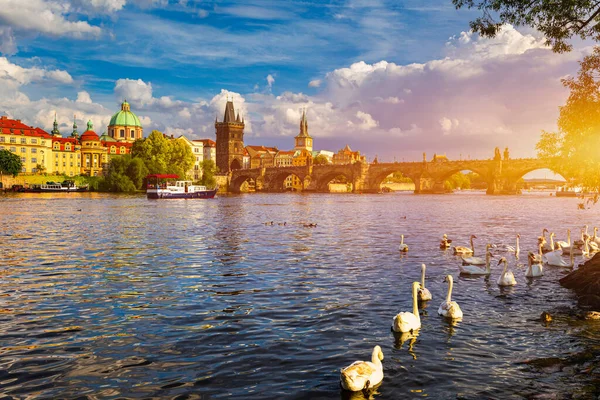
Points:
[[230, 140], [303, 140]]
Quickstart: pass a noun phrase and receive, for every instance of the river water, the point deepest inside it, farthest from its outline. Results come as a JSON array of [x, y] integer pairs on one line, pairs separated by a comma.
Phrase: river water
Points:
[[106, 296]]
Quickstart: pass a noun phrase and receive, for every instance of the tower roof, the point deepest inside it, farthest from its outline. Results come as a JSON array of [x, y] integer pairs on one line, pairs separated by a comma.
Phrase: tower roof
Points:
[[229, 112], [303, 126], [125, 117]]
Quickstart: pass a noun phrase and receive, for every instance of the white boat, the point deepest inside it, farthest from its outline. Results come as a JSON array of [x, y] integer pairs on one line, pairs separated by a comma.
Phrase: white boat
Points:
[[163, 186]]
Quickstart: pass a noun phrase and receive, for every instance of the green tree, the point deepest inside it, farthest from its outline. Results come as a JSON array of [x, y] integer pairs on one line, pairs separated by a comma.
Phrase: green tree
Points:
[[573, 150], [558, 20], [320, 159], [10, 163], [209, 169], [40, 168], [162, 155], [398, 177], [137, 171]]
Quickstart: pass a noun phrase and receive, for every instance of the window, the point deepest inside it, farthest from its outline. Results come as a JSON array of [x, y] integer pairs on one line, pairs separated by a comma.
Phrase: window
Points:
[[79, 164], [33, 169], [13, 139], [56, 146], [2, 139], [64, 155], [132, 134], [122, 132], [64, 164], [34, 160], [34, 150], [71, 163], [23, 150], [195, 149], [68, 146], [113, 149], [23, 140], [33, 141], [43, 142], [56, 164], [71, 155], [23, 169], [122, 150]]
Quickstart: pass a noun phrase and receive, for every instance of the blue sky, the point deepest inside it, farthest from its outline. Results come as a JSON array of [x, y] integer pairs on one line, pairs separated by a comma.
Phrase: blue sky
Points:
[[392, 78]]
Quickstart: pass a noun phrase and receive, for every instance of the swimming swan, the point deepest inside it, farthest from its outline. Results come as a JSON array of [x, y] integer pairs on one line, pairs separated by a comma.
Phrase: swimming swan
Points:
[[408, 321], [423, 293], [403, 247], [507, 278], [448, 308], [460, 250], [363, 374]]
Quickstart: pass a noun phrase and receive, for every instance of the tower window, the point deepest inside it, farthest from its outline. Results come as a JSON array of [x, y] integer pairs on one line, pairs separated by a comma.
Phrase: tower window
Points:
[[132, 134], [122, 133]]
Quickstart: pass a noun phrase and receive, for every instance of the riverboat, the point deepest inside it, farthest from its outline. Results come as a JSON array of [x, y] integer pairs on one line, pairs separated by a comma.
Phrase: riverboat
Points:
[[55, 187], [166, 186]]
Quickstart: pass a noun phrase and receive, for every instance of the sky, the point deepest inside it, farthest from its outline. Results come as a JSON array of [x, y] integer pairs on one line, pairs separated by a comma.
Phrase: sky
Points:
[[391, 78]]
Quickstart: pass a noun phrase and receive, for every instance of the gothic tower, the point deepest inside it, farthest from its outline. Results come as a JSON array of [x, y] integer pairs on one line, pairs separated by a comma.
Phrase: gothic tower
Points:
[[303, 140], [230, 140]]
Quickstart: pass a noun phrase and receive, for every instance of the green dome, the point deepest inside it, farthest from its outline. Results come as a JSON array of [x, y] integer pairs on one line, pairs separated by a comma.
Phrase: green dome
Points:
[[125, 117]]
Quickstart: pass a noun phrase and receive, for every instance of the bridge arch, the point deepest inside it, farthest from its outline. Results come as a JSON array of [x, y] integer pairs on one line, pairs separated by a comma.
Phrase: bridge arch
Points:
[[322, 183], [235, 185], [279, 181], [377, 179]]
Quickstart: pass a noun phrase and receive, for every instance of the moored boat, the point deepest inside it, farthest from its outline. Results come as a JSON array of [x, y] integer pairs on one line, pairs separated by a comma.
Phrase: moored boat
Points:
[[165, 186], [55, 187]]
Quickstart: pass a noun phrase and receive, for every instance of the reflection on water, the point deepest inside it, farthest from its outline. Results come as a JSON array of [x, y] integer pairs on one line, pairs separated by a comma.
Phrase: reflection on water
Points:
[[132, 298]]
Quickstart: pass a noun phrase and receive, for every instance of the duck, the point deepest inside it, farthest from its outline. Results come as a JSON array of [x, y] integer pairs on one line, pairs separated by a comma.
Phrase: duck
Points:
[[473, 269], [423, 293], [450, 309], [282, 223], [403, 247], [409, 321], [269, 223], [310, 225], [445, 242], [534, 268], [554, 258], [361, 375], [478, 260], [507, 278], [460, 250]]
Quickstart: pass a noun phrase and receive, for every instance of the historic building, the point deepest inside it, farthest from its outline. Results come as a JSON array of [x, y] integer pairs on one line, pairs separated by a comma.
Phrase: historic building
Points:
[[125, 126], [261, 156], [197, 147], [347, 156], [209, 148], [33, 146], [303, 141], [93, 153], [230, 140]]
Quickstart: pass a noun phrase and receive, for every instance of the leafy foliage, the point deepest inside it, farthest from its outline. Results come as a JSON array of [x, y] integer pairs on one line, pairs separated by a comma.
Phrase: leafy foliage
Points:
[[574, 151], [320, 159], [558, 20], [10, 163], [209, 169], [164, 156], [397, 177]]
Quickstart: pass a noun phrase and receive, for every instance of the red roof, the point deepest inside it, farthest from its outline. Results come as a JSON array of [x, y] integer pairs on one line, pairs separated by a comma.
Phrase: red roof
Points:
[[62, 141], [16, 127], [163, 176], [286, 153], [207, 142], [89, 135], [118, 146]]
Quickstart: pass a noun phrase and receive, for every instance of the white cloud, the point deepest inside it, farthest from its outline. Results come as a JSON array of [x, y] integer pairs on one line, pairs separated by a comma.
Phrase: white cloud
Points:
[[366, 121], [84, 97], [448, 125], [270, 80], [315, 83], [15, 75], [202, 13], [8, 44], [134, 91]]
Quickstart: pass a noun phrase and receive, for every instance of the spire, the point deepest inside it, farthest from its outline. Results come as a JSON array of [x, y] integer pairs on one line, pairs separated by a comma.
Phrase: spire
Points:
[[55, 131], [75, 133], [229, 112], [237, 119], [303, 124], [90, 125]]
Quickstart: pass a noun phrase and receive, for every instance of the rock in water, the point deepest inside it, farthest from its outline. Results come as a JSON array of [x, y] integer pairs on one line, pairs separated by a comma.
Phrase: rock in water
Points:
[[585, 282]]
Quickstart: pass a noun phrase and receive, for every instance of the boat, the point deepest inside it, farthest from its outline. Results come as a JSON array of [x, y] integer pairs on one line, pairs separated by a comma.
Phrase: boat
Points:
[[566, 193], [166, 186], [67, 186]]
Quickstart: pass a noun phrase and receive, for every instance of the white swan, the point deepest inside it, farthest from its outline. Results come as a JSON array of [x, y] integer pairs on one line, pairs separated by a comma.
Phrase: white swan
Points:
[[507, 278], [423, 293], [547, 246], [361, 375], [473, 269], [565, 245], [554, 258], [448, 308], [403, 247], [534, 268], [408, 321], [477, 260], [596, 239], [460, 250]]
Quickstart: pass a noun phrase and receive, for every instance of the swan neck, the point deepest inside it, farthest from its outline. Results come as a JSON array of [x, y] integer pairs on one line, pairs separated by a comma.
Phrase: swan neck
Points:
[[569, 238], [517, 248], [423, 277], [449, 295], [472, 247], [571, 257], [504, 270], [552, 242], [487, 262], [375, 357], [415, 306]]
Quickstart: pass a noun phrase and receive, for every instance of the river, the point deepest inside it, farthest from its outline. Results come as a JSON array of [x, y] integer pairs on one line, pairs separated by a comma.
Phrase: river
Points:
[[106, 296]]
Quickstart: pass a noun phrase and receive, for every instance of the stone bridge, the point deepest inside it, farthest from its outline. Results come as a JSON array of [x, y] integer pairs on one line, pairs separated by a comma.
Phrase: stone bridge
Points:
[[429, 176]]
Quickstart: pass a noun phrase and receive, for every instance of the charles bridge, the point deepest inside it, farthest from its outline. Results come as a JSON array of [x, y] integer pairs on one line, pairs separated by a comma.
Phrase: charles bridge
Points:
[[500, 174]]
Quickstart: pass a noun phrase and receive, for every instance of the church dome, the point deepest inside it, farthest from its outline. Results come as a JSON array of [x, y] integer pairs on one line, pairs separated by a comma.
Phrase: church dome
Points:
[[125, 117], [89, 134]]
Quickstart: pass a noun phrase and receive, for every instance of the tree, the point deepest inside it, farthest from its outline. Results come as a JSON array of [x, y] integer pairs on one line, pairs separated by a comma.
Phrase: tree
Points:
[[10, 163], [558, 20], [320, 159], [573, 150], [208, 173], [40, 168], [164, 156]]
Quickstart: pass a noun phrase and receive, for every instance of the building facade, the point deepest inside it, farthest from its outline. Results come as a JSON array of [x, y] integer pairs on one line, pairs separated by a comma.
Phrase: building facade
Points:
[[347, 156], [93, 153], [33, 146], [197, 147], [230, 140], [261, 156]]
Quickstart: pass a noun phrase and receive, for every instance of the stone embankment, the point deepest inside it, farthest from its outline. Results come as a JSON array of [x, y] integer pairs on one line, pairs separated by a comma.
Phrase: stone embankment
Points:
[[585, 282]]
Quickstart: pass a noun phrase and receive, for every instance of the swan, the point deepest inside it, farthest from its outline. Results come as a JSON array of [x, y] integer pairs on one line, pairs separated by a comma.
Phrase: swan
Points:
[[471, 269], [565, 245], [423, 293], [448, 308], [596, 239], [445, 242], [403, 247], [554, 258], [361, 375], [460, 250], [547, 246], [592, 246], [409, 321], [534, 269], [477, 260], [507, 278]]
